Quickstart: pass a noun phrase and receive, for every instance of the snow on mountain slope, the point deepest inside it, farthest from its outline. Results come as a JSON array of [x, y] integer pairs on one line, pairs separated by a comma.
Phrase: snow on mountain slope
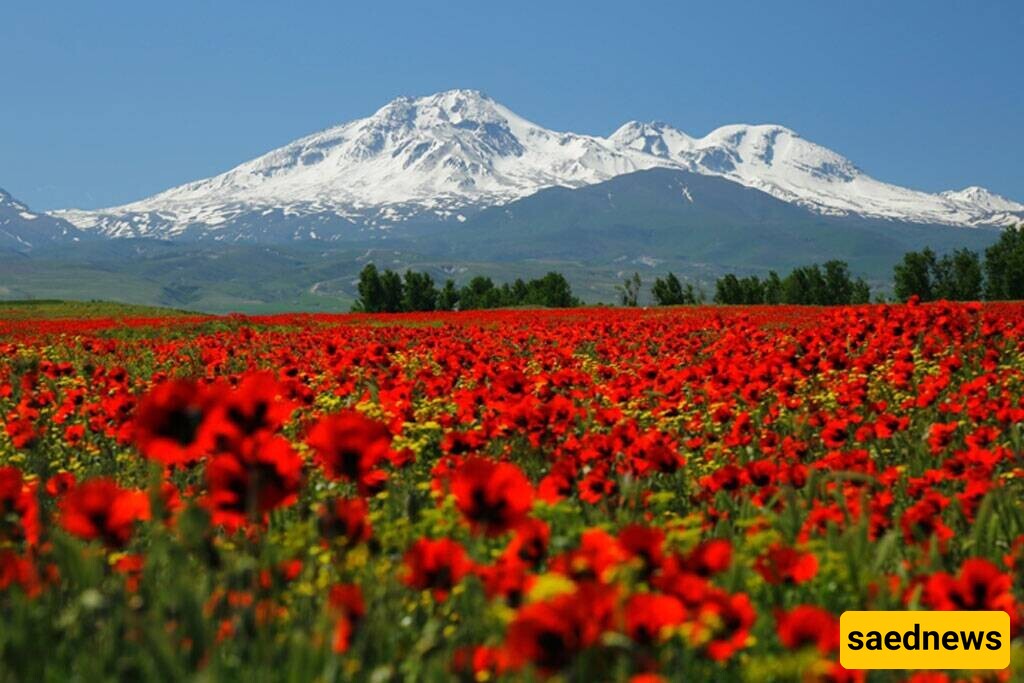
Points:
[[440, 156], [435, 154], [22, 229], [776, 160]]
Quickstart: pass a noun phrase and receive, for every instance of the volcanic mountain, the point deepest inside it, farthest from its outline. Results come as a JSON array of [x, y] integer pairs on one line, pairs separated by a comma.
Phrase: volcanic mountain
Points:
[[445, 157]]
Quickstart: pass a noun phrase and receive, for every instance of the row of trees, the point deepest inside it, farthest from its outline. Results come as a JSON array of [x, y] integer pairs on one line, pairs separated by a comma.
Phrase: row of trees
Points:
[[958, 276], [963, 275], [389, 292], [667, 292], [827, 285]]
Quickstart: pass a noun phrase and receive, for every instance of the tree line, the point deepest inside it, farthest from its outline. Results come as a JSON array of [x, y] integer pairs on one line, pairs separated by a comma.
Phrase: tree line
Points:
[[963, 275], [389, 292], [827, 285], [665, 292], [830, 284]]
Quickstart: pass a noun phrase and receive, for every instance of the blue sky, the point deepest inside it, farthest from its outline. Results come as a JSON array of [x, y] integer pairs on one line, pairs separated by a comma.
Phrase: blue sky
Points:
[[103, 103]]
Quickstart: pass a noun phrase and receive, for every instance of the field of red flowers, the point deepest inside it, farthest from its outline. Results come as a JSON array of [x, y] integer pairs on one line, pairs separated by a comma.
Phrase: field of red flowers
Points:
[[674, 494]]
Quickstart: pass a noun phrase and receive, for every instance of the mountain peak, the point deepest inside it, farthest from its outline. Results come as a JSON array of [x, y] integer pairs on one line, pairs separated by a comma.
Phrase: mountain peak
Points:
[[454, 101], [456, 95], [656, 138], [22, 229], [440, 156], [6, 200], [980, 196]]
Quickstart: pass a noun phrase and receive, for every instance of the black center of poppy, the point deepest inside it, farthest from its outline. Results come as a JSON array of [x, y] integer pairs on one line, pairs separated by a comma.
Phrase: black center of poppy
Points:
[[180, 425]]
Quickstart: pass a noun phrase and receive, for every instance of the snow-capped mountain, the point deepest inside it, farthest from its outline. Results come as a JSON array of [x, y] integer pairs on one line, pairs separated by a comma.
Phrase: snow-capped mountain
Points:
[[776, 160], [22, 229], [433, 156], [445, 156]]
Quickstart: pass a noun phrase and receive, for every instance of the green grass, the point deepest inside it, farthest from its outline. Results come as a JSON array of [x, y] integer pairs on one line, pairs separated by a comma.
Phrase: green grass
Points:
[[26, 309]]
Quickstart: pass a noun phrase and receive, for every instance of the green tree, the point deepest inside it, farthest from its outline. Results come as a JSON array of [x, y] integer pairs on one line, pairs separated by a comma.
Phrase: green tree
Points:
[[752, 290], [520, 292], [838, 287], [773, 288], [506, 297], [747, 291], [810, 287], [728, 290], [419, 293], [629, 290], [1004, 266], [448, 297], [371, 293], [958, 276], [479, 292], [391, 291], [913, 275], [671, 292], [796, 289], [552, 290], [860, 293]]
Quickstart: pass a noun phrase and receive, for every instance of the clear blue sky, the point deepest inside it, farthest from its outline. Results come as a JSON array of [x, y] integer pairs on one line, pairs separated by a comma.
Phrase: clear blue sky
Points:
[[106, 102]]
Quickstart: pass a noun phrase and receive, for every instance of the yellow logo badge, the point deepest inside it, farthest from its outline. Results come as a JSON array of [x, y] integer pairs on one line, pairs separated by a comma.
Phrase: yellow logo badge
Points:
[[924, 640]]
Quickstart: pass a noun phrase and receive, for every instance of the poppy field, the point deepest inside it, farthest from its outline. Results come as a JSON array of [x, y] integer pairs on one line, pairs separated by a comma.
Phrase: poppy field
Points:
[[690, 493]]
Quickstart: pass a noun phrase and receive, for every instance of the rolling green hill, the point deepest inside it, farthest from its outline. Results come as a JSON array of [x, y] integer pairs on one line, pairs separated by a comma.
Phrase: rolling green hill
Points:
[[692, 223], [650, 222]]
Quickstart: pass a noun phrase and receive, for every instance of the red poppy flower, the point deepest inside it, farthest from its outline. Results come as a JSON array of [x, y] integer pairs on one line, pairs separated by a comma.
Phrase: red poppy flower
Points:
[[782, 564], [350, 445], [654, 452], [558, 483], [346, 600], [808, 625], [723, 624], [167, 426], [245, 485], [645, 543], [598, 484], [551, 633], [979, 585], [597, 554], [16, 570], [940, 436], [19, 509], [21, 428], [100, 509], [709, 557], [74, 434], [347, 518], [923, 519], [507, 578], [479, 662], [494, 497], [529, 545], [835, 433], [649, 615], [436, 565], [729, 478], [255, 407], [59, 484]]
